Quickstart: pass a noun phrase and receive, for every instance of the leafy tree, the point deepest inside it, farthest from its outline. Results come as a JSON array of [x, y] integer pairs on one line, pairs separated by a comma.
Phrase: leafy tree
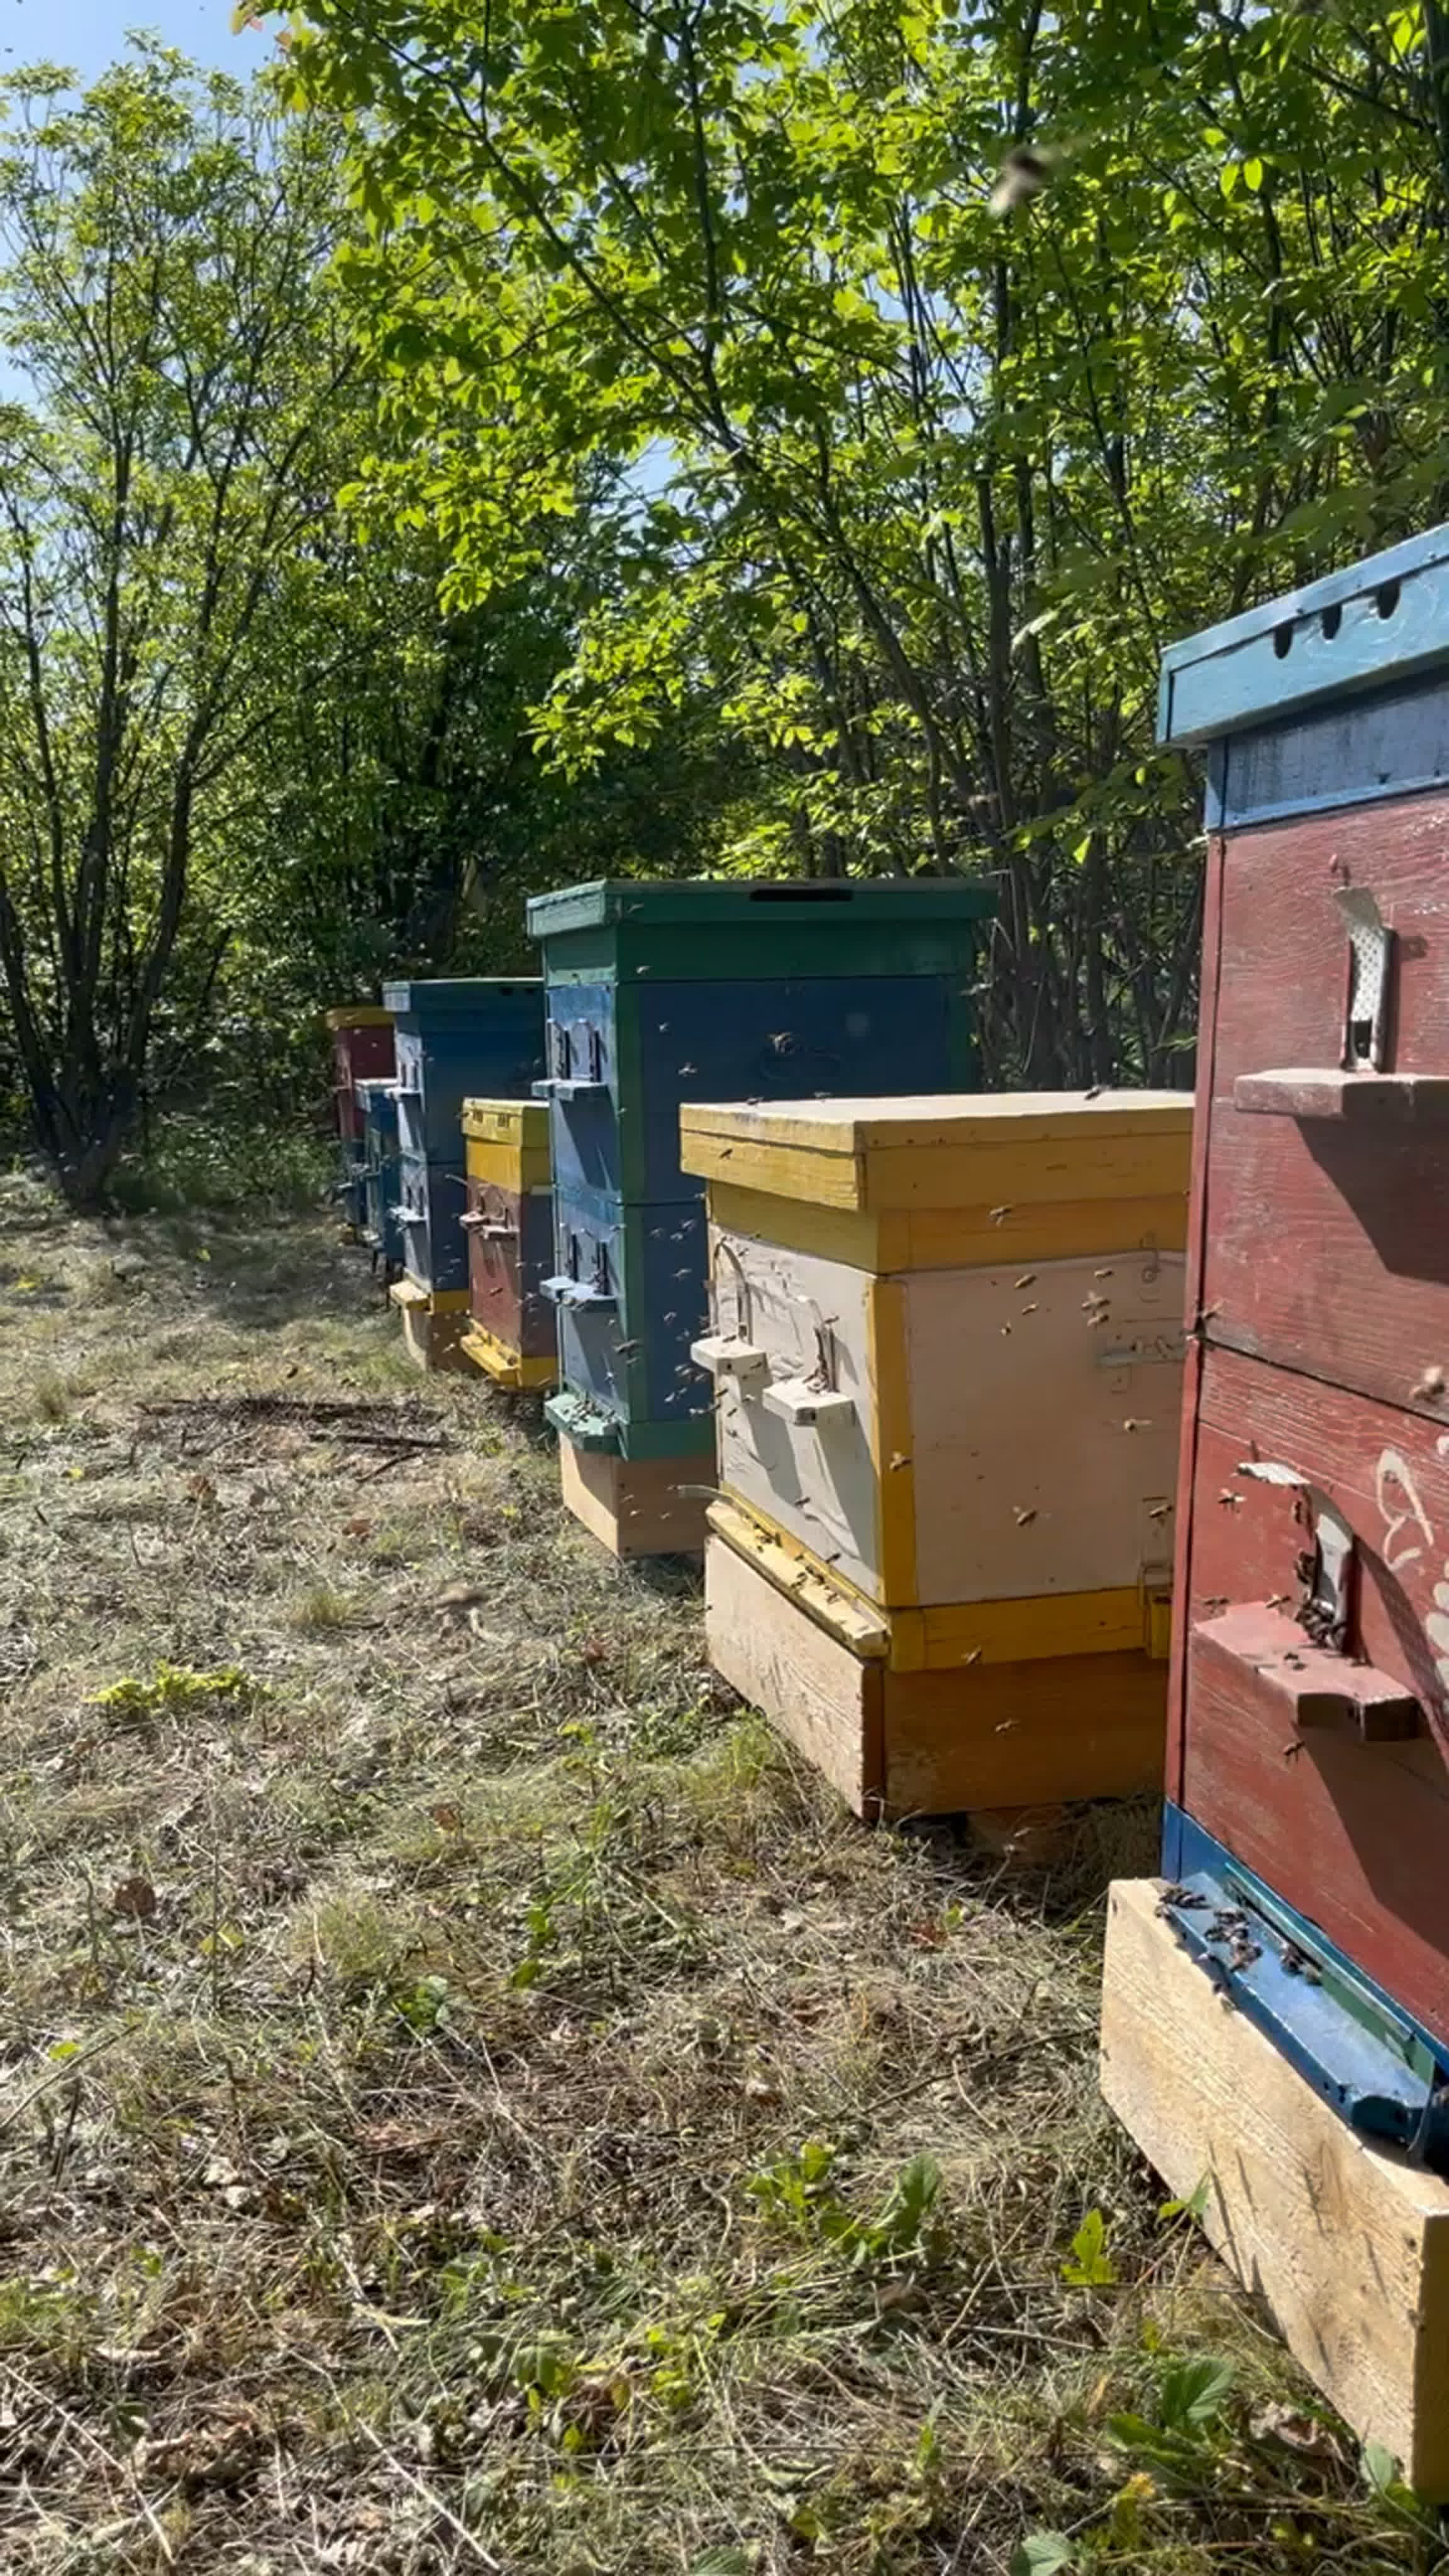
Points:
[[928, 484], [163, 244]]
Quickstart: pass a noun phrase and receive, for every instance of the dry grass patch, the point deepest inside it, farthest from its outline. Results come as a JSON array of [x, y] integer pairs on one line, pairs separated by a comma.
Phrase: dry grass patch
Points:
[[469, 2099]]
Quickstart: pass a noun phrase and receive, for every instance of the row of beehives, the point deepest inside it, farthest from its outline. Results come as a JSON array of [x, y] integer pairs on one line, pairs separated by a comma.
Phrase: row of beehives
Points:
[[938, 1525], [944, 1339]]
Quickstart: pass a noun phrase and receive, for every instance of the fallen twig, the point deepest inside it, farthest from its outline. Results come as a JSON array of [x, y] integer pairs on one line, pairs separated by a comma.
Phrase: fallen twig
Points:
[[380, 1440]]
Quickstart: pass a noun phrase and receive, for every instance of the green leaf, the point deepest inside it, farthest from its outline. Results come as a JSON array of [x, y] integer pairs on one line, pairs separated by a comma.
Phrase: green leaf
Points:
[[1043, 2553], [1194, 2393], [1252, 176], [1380, 2468], [1091, 2266], [727, 2560], [1195, 2204]]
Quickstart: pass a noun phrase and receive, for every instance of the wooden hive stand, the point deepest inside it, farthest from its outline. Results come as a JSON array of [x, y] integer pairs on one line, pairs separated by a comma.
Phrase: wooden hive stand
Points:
[[1346, 2243], [433, 1323]]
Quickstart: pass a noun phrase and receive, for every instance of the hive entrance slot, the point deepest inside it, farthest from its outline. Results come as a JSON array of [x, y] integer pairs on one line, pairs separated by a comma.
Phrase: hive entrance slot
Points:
[[737, 1354], [1357, 1092], [801, 894], [1370, 956]]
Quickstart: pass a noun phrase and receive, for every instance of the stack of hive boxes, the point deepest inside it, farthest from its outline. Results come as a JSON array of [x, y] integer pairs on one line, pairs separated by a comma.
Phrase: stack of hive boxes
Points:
[[455, 1037], [947, 1346], [509, 1224], [362, 1049], [1308, 1816], [659, 994]]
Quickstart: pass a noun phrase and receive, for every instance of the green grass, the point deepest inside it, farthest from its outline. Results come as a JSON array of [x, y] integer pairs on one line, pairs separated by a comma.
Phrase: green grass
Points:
[[470, 2099]]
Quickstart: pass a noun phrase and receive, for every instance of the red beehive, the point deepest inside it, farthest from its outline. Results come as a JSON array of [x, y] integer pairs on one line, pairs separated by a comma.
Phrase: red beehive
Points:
[[362, 1050], [1309, 1705]]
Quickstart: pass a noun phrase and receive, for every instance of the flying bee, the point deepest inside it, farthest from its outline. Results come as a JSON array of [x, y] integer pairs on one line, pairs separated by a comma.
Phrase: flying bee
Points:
[[1023, 174]]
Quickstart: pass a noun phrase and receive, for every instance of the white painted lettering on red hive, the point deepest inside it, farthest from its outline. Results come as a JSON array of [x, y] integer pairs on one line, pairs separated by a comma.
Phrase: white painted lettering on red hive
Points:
[[1403, 1512], [1436, 1626]]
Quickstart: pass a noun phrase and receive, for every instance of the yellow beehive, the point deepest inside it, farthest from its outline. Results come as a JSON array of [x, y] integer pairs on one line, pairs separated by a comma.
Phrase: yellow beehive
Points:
[[506, 1142], [946, 1337]]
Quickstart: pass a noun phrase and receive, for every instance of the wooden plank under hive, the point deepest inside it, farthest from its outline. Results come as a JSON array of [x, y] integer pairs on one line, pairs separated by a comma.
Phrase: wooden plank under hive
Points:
[[434, 1322], [1344, 2243], [509, 1225], [659, 994], [955, 1467]]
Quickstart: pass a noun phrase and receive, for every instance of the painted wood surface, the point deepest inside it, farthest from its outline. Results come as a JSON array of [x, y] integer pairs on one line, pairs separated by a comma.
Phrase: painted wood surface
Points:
[[507, 1367], [1384, 617], [860, 1126], [1023, 1735], [633, 1506], [1355, 1835], [951, 1634], [1007, 1441], [899, 1239], [845, 1614], [362, 1051], [462, 1038], [1387, 743], [510, 1254], [1348, 2246], [522, 1124], [510, 1166], [432, 1326], [1039, 1465], [933, 1743], [631, 1299], [819, 1484], [993, 1151], [622, 1060], [1328, 1251], [432, 1199]]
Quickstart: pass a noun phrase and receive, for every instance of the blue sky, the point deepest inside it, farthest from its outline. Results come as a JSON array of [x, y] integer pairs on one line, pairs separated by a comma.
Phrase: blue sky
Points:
[[88, 34]]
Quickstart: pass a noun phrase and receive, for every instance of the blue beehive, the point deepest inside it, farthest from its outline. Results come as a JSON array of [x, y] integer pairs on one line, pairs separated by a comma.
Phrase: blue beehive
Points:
[[455, 1036], [658, 994], [377, 1103]]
